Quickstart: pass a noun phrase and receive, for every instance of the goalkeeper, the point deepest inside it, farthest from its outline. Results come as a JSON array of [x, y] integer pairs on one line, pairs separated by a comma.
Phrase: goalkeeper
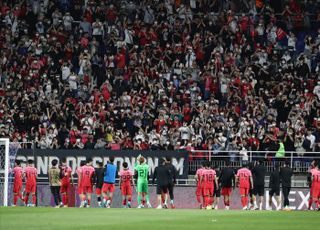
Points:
[[142, 172]]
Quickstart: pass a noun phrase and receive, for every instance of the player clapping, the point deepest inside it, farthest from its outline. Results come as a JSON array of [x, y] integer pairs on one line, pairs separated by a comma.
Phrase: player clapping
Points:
[[86, 181], [66, 178], [244, 177], [98, 180], [109, 179], [199, 190], [142, 172], [125, 180], [17, 182], [208, 181], [30, 174], [227, 183], [315, 178]]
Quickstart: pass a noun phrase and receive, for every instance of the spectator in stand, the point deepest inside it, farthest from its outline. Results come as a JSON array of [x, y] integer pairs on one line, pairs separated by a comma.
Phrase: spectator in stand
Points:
[[161, 75]]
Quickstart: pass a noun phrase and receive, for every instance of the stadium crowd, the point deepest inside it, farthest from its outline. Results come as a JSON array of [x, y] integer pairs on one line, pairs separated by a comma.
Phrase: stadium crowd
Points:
[[163, 74]]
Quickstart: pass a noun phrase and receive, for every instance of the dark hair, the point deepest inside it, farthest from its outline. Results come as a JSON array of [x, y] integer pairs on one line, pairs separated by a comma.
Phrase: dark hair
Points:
[[54, 162], [168, 159], [261, 161], [125, 165], [82, 163], [89, 159], [161, 161], [100, 164], [63, 160], [30, 161], [18, 162], [111, 159]]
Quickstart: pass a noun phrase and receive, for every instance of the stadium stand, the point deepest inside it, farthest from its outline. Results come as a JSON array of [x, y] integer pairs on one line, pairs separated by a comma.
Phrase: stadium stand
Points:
[[195, 75]]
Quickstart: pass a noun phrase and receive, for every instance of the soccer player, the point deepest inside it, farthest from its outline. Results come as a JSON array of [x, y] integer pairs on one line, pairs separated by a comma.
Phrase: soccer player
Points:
[[208, 180], [17, 182], [227, 183], [142, 171], [66, 178], [199, 189], [244, 178], [316, 186], [86, 181], [79, 172], [30, 173], [110, 172], [126, 178], [274, 186], [98, 180], [285, 175], [259, 173], [217, 190], [161, 174], [311, 169], [54, 181], [171, 180]]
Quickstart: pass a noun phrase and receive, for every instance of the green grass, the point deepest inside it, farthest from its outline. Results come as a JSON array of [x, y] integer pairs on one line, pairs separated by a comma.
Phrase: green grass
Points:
[[23, 218]]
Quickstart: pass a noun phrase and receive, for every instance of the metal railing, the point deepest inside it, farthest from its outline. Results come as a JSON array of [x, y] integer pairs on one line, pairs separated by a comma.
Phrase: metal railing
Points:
[[298, 162]]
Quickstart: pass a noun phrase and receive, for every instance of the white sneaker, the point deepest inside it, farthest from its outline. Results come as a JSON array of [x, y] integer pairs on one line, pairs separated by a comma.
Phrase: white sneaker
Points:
[[140, 206], [149, 205], [227, 208], [209, 207], [124, 206], [268, 208], [216, 207], [245, 208], [260, 207], [129, 204], [13, 205], [256, 207], [88, 206], [159, 207]]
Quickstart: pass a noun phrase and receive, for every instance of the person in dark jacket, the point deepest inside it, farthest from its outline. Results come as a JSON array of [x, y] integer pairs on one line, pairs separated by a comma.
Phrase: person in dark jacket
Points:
[[285, 177], [171, 180], [274, 186], [98, 180], [161, 174], [259, 174]]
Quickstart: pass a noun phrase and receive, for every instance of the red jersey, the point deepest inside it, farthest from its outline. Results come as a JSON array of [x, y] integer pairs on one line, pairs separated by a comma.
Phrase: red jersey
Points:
[[316, 179], [87, 173], [66, 172], [31, 175], [18, 172], [208, 178], [199, 176], [244, 175], [125, 176]]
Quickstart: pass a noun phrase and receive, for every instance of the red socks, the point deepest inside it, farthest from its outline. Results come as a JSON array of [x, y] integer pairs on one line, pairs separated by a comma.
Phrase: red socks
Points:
[[310, 203], [199, 199], [64, 199], [34, 199], [124, 202], [15, 199], [26, 198], [244, 201]]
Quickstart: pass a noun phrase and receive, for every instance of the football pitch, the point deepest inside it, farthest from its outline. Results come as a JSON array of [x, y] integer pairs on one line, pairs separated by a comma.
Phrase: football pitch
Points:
[[179, 219]]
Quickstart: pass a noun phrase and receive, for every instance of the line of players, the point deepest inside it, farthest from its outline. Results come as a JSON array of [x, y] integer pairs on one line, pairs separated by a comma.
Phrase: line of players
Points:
[[250, 180], [103, 178], [210, 182]]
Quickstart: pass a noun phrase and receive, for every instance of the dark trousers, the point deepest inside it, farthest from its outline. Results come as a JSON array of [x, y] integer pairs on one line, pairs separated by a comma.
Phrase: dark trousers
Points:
[[170, 189], [55, 190], [286, 191]]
